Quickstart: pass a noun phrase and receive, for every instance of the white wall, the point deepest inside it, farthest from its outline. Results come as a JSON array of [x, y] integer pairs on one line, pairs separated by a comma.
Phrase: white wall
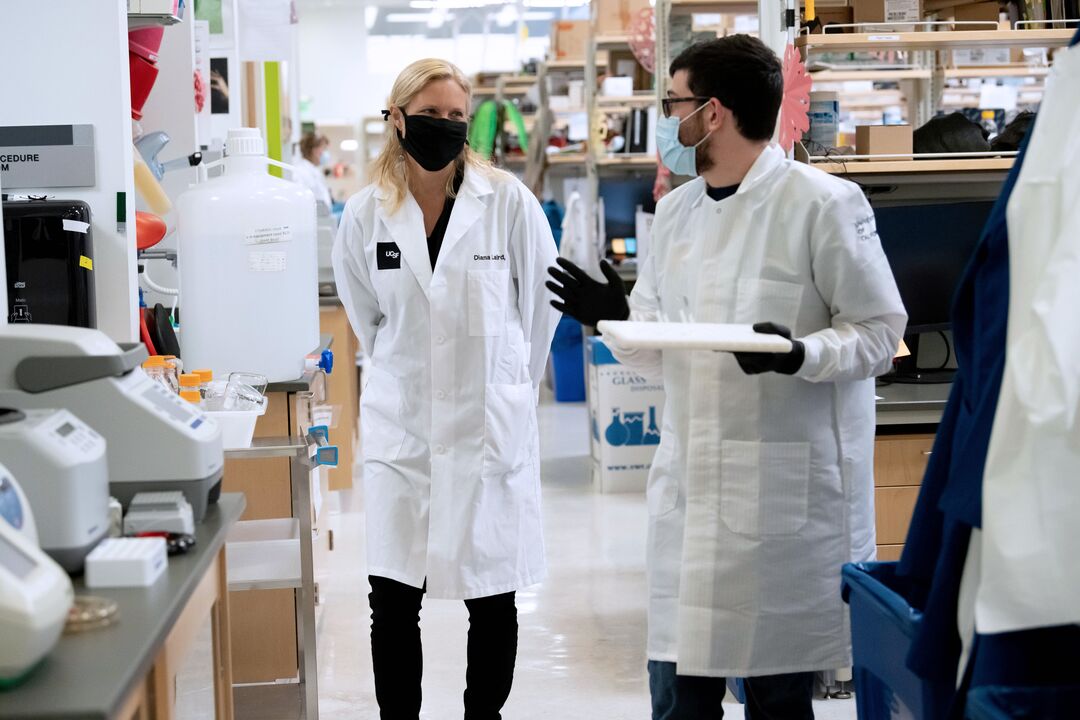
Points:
[[66, 62], [348, 74]]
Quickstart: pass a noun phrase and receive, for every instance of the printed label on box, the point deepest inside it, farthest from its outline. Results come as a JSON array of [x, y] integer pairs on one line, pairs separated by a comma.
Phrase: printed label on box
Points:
[[902, 11]]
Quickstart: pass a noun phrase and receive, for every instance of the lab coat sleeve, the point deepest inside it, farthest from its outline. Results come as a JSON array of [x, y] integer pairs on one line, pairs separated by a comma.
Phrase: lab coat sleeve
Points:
[[354, 281], [853, 277], [644, 306], [532, 252]]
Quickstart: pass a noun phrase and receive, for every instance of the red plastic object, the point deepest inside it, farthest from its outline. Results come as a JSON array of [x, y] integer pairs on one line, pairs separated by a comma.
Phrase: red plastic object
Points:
[[144, 332], [149, 229], [143, 46], [146, 41]]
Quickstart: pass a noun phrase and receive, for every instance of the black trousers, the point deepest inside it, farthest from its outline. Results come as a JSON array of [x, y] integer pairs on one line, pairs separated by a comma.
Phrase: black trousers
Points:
[[768, 697], [398, 657]]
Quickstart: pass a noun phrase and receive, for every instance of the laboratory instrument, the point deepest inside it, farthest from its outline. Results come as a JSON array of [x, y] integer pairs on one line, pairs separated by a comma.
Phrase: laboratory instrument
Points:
[[14, 507], [159, 512], [64, 471], [249, 263], [35, 596], [157, 441]]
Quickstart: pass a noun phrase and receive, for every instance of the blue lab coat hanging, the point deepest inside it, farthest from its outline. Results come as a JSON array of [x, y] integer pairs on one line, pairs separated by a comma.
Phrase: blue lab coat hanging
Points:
[[950, 502]]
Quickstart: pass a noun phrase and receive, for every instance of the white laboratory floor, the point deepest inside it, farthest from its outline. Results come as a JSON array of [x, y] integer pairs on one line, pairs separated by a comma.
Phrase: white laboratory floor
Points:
[[581, 651]]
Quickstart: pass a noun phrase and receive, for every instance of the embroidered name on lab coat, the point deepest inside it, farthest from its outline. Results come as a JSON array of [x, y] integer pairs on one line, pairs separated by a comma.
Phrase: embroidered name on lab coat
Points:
[[478, 258], [387, 256]]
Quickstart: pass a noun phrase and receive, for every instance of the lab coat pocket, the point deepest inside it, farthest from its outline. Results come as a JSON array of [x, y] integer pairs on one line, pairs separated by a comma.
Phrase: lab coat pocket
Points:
[[768, 301], [764, 487], [487, 301], [509, 428], [381, 429]]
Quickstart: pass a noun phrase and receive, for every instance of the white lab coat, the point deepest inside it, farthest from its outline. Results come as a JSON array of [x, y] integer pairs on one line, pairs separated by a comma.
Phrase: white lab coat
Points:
[[448, 419], [762, 486], [311, 176], [1031, 487]]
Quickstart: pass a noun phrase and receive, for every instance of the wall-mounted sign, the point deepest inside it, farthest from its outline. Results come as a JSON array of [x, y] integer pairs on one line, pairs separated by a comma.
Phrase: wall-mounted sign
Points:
[[46, 156]]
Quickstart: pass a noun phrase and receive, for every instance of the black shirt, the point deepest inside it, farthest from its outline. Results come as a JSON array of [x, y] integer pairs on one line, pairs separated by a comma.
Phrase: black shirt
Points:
[[434, 241], [721, 193]]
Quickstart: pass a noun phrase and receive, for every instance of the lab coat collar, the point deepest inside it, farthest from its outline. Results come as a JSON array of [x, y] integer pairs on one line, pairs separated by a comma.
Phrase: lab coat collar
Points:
[[470, 205], [406, 225], [770, 159]]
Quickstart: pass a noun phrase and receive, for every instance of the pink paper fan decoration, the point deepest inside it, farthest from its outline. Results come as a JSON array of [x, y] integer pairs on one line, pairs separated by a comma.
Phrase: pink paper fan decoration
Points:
[[795, 107], [643, 39]]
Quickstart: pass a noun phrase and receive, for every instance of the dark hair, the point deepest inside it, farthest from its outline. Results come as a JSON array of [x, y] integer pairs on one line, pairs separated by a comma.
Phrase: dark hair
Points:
[[743, 74]]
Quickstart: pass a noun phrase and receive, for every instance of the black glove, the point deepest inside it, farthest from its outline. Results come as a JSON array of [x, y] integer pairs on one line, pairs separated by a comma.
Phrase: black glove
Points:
[[585, 299], [754, 363]]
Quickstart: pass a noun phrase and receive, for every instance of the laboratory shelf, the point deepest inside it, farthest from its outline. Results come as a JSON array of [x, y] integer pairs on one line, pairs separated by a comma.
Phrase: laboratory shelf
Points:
[[144, 20], [264, 554], [873, 75], [605, 100], [730, 7], [636, 161], [1000, 71], [939, 40], [601, 62], [893, 167], [611, 41], [567, 159]]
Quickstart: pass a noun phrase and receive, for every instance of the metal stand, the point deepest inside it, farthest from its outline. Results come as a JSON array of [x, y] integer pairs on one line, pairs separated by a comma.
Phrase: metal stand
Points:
[[305, 454]]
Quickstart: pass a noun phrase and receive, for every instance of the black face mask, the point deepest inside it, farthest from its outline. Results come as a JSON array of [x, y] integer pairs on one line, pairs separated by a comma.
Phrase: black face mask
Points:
[[433, 142]]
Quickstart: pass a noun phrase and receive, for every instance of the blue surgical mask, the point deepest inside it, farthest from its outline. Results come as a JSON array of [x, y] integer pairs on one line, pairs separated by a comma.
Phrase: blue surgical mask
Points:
[[324, 158], [678, 158]]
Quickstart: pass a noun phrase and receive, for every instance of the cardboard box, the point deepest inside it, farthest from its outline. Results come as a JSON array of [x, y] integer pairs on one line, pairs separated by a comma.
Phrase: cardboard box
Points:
[[569, 39], [971, 12], [883, 140], [625, 418], [835, 16], [887, 11], [614, 17]]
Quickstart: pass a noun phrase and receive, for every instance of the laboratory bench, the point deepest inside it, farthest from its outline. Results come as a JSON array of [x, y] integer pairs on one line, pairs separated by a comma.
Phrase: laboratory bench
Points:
[[907, 419], [128, 670]]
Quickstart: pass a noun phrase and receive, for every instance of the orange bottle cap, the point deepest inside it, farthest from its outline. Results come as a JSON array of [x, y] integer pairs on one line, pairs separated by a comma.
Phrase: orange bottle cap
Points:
[[192, 396], [205, 375], [190, 380]]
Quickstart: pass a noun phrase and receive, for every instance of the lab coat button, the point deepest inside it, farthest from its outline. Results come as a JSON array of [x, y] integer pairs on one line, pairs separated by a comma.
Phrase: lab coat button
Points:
[[439, 340], [440, 395], [440, 449]]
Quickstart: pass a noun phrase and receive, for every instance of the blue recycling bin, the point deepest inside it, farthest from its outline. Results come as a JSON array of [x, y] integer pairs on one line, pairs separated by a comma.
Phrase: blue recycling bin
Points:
[[996, 702], [883, 625], [568, 360]]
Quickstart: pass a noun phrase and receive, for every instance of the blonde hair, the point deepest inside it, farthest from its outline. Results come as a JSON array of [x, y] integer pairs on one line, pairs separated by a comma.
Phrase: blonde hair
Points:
[[389, 171]]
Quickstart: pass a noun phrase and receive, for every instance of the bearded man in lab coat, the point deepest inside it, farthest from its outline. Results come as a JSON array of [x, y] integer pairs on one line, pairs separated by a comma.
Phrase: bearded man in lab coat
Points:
[[762, 486]]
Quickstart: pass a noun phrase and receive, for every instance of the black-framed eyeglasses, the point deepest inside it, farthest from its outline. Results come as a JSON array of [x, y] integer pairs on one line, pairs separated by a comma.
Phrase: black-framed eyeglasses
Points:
[[666, 103]]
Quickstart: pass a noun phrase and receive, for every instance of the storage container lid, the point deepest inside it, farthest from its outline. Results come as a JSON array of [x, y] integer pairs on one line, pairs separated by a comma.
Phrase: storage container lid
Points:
[[245, 141]]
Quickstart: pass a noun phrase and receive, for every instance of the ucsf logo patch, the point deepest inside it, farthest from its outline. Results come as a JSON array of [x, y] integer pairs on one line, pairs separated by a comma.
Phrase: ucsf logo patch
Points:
[[387, 256]]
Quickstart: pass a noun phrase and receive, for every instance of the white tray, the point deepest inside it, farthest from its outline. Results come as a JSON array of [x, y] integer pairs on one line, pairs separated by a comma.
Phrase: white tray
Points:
[[634, 335]]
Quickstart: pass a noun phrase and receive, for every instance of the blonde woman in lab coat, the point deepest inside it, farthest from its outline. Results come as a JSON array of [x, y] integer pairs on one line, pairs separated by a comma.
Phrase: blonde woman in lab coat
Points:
[[441, 266]]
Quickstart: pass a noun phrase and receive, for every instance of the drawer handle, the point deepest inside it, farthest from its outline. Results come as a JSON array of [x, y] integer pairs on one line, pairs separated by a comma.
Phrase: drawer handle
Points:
[[927, 453]]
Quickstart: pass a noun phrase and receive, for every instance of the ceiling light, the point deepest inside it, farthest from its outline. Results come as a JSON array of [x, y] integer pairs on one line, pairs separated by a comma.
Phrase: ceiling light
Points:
[[349, 145]]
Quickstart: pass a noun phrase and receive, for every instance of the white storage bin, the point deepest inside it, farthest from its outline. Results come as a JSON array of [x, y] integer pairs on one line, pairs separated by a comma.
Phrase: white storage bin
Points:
[[237, 426], [264, 553]]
